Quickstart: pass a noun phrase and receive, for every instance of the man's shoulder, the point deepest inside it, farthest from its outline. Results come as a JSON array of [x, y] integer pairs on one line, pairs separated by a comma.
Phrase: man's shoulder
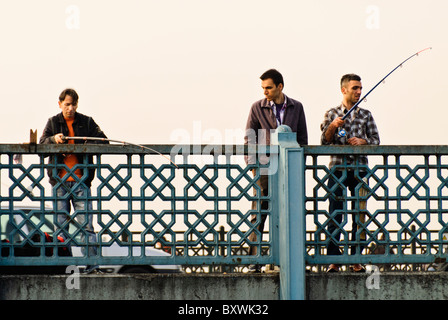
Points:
[[82, 116], [292, 101], [260, 103], [364, 112], [336, 109], [56, 116]]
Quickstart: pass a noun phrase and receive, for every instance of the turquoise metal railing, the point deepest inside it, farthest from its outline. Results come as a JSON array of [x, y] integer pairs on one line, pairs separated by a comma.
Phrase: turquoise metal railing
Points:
[[405, 193], [140, 201]]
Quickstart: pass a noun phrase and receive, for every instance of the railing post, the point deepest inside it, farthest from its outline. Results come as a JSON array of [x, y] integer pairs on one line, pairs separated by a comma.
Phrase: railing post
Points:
[[291, 209]]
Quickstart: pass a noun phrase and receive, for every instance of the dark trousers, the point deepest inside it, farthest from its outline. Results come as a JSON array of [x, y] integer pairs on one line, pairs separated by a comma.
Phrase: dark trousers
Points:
[[337, 203]]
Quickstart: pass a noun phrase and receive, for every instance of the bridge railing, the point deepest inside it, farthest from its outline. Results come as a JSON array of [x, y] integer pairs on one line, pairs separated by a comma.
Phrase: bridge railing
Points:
[[398, 210], [139, 200]]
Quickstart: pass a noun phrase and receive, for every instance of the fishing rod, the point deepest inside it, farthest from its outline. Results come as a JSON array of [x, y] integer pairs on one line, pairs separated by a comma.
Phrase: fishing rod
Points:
[[342, 132], [118, 141]]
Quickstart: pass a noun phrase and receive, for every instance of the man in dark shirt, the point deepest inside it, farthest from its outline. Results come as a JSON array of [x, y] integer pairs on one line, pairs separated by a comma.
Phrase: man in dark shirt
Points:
[[66, 184], [264, 117]]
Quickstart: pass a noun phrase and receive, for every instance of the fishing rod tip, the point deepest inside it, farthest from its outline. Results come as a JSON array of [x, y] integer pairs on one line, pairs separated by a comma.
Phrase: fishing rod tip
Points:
[[429, 48]]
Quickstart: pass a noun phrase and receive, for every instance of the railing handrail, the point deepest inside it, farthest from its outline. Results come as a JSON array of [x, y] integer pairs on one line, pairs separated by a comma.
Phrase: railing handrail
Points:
[[176, 149], [236, 149], [418, 150]]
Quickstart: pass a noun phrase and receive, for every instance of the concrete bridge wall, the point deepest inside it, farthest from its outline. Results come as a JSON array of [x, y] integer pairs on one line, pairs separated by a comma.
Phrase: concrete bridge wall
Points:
[[387, 286]]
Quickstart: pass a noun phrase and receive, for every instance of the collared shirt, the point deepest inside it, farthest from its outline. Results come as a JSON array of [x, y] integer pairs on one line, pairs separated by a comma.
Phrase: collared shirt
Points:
[[361, 125], [279, 115]]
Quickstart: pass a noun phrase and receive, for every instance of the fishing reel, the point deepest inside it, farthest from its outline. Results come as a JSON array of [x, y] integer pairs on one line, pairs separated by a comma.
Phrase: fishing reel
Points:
[[342, 133]]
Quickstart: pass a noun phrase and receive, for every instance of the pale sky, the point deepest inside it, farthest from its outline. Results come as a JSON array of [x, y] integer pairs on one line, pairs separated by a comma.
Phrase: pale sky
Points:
[[148, 70]]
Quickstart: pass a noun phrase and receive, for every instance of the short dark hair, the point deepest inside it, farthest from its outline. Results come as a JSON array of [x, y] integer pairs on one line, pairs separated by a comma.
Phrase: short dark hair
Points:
[[69, 92], [349, 77], [273, 74]]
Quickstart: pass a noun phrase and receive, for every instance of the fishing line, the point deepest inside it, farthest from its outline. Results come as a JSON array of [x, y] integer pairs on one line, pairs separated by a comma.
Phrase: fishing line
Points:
[[118, 141]]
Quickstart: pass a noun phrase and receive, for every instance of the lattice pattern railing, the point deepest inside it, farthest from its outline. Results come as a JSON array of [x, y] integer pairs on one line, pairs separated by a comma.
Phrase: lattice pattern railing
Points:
[[406, 213], [138, 201], [142, 201]]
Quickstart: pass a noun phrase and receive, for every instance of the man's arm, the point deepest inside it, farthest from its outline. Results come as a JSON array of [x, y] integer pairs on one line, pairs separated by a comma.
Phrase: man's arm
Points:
[[354, 141], [48, 136], [331, 129], [250, 136], [373, 136], [96, 132], [329, 126], [302, 131]]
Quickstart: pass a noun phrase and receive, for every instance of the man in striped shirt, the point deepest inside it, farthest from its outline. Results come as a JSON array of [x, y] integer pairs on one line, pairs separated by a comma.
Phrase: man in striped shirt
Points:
[[361, 129]]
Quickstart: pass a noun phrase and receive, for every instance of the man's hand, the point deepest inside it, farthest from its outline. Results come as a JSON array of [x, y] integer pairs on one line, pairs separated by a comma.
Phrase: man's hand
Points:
[[58, 138], [338, 122], [354, 141]]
